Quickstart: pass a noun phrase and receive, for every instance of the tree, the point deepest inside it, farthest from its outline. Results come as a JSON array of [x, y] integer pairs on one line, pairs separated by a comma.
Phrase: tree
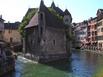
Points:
[[26, 20]]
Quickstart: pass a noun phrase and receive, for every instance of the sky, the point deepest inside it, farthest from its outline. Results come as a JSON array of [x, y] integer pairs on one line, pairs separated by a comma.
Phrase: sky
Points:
[[14, 10]]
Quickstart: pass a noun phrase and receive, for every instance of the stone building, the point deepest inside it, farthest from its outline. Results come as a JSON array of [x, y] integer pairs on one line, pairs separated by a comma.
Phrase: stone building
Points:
[[46, 33], [11, 33], [1, 27]]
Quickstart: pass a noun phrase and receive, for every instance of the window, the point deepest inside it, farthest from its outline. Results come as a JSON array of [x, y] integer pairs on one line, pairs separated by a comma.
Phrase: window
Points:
[[88, 33], [99, 37], [41, 16], [41, 30], [101, 29], [95, 27], [54, 42], [100, 44], [89, 28], [66, 20], [11, 39], [9, 31], [95, 32], [99, 24], [93, 38]]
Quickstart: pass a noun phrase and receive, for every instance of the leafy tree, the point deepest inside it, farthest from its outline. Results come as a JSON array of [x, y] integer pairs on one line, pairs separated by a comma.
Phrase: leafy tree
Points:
[[26, 20]]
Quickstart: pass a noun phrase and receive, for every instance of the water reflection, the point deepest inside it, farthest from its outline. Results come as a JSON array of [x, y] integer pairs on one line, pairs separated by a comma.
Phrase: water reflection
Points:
[[82, 64]]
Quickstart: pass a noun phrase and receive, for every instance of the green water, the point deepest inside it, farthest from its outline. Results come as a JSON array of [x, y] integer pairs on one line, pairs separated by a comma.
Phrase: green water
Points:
[[82, 64], [46, 70]]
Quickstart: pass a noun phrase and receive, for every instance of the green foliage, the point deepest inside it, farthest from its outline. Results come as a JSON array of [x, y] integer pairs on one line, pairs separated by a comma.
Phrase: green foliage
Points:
[[69, 35], [55, 13], [25, 21]]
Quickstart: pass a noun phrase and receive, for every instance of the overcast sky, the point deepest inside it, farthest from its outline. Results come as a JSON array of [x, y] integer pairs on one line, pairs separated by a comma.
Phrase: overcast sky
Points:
[[14, 10]]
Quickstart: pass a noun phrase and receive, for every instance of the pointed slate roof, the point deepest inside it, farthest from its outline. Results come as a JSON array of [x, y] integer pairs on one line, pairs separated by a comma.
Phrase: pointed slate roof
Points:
[[57, 9], [66, 12], [33, 22], [53, 5], [50, 19]]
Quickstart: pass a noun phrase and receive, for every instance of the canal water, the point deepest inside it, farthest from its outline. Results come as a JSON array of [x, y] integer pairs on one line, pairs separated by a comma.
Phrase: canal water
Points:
[[85, 64], [81, 64]]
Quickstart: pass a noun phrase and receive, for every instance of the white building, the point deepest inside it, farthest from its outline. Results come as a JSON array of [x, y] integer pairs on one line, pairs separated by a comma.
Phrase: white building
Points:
[[81, 33]]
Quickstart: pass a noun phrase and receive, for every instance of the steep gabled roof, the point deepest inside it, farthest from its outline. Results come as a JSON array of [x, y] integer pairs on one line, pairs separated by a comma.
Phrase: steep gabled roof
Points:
[[51, 19], [28, 16], [57, 9], [53, 5], [33, 22], [66, 12]]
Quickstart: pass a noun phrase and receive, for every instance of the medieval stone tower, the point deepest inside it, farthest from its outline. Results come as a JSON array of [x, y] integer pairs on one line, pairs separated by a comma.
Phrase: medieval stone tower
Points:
[[45, 33]]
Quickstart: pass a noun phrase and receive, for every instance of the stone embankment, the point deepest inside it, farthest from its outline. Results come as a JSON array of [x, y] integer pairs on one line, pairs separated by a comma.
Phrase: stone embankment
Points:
[[92, 49]]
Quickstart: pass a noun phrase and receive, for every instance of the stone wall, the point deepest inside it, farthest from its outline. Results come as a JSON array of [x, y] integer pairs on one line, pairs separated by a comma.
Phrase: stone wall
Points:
[[54, 41], [51, 46], [32, 41]]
